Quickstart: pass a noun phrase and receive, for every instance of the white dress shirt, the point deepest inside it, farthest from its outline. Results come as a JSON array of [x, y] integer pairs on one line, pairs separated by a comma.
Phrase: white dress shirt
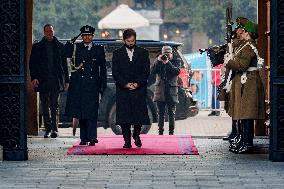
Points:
[[130, 53], [88, 45]]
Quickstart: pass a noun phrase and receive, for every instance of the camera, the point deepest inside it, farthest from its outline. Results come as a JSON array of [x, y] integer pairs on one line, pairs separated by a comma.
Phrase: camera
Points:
[[164, 57]]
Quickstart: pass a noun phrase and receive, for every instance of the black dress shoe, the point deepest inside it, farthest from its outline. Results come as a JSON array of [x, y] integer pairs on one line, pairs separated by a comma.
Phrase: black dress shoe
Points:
[[92, 143], [217, 113], [161, 130], [83, 143], [213, 113], [137, 141], [53, 135], [127, 145], [46, 134]]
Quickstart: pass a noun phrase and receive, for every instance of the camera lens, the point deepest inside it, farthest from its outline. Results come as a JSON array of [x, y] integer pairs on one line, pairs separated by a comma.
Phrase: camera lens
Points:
[[164, 57]]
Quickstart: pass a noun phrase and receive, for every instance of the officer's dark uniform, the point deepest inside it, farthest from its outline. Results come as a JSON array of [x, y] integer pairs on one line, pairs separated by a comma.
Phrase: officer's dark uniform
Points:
[[88, 79]]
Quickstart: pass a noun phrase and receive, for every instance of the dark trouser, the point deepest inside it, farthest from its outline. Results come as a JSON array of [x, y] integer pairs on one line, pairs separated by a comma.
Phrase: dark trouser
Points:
[[248, 131], [88, 129], [49, 105], [215, 101], [161, 116], [235, 130], [126, 132]]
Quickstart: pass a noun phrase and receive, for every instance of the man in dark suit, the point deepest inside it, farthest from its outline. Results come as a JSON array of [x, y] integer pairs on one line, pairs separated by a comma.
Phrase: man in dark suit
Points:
[[88, 79], [130, 70], [49, 76], [167, 70]]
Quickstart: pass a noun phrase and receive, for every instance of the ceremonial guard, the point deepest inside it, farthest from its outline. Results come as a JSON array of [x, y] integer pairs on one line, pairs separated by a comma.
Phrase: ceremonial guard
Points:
[[87, 63], [245, 88]]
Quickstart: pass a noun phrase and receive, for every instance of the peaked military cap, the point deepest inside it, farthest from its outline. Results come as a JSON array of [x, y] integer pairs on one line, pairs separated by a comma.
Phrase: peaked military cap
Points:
[[87, 30], [246, 24]]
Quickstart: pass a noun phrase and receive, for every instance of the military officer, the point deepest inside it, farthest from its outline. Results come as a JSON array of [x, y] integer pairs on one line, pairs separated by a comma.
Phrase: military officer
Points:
[[247, 99], [88, 78]]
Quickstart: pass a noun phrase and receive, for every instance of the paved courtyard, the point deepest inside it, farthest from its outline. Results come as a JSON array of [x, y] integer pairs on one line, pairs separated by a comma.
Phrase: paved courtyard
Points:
[[49, 167], [200, 125]]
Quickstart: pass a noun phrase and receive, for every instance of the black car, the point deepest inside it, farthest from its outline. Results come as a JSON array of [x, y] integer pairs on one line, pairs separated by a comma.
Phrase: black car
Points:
[[107, 111]]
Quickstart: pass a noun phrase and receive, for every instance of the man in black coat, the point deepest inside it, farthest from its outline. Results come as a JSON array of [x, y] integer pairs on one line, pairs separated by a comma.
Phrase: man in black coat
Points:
[[130, 70], [49, 76], [88, 79], [167, 70]]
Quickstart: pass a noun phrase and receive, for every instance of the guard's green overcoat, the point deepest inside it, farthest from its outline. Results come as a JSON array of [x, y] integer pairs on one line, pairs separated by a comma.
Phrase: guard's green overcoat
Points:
[[247, 101]]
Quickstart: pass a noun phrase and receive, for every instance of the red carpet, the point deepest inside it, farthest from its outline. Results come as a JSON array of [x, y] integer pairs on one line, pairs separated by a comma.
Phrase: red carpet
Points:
[[151, 144]]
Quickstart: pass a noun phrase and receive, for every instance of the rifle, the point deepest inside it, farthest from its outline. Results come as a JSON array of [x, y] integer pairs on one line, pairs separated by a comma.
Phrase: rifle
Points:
[[227, 75], [216, 53], [229, 27]]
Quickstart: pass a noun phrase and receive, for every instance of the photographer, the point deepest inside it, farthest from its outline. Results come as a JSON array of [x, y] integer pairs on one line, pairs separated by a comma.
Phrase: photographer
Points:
[[167, 70]]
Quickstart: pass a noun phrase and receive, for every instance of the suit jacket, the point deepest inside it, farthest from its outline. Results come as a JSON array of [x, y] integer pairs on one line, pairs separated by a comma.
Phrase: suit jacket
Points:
[[131, 106], [39, 62]]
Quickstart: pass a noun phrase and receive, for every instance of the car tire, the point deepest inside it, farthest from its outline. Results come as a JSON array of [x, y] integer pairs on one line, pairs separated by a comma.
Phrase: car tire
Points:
[[117, 128]]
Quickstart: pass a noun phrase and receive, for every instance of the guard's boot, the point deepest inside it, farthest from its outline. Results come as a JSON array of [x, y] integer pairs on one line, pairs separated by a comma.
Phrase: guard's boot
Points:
[[236, 141], [246, 146], [238, 132], [234, 146], [233, 133]]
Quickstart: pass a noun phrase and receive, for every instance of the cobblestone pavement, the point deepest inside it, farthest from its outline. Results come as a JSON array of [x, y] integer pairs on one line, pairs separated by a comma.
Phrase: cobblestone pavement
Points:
[[215, 167], [49, 167]]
